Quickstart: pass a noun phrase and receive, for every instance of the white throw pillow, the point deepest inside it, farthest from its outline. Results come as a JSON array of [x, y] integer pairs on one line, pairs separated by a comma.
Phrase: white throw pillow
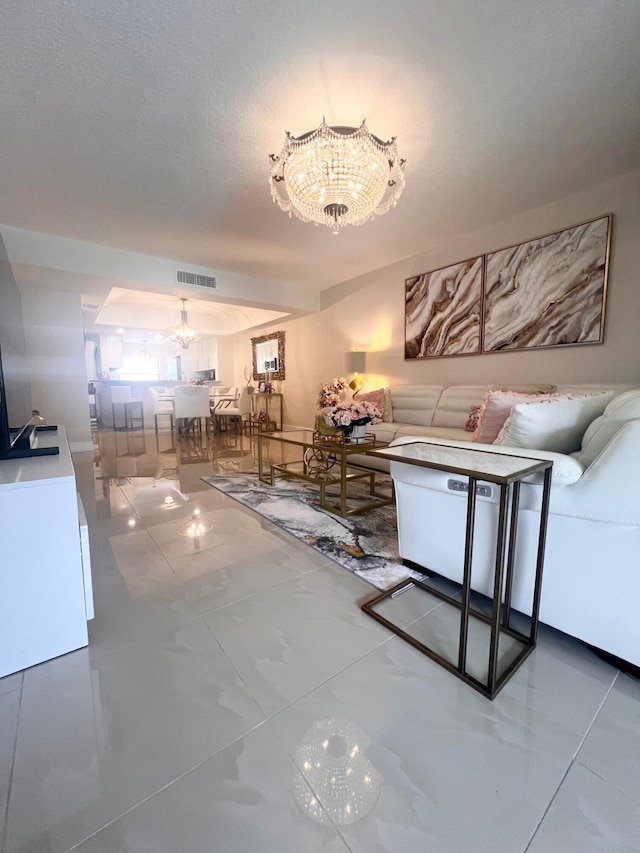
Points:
[[494, 411], [556, 424]]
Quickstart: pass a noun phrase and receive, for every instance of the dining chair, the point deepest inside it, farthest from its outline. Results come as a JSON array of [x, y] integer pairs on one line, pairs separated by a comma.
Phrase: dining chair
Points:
[[222, 396], [162, 407], [233, 413], [190, 406]]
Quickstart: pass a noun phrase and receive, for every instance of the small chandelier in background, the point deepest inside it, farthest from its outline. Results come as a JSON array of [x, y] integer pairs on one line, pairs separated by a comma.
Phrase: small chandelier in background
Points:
[[337, 176], [145, 354], [184, 334]]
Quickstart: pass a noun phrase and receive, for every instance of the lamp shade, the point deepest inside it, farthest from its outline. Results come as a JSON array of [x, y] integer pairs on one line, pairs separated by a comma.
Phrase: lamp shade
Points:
[[355, 362]]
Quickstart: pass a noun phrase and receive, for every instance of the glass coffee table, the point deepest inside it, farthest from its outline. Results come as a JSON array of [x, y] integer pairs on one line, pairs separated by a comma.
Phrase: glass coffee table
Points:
[[324, 461]]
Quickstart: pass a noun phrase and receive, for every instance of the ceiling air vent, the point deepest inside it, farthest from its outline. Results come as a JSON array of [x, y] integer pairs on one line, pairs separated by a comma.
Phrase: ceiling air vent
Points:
[[194, 279]]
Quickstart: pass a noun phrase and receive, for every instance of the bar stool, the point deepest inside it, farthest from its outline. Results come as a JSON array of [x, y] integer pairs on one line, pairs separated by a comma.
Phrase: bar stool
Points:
[[133, 409]]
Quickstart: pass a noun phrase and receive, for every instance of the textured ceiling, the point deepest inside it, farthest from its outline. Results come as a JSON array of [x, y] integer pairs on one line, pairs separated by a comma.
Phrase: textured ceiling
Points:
[[147, 126]]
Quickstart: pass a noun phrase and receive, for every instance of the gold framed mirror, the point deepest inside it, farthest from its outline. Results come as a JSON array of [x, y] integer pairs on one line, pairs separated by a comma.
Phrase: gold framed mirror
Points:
[[268, 357]]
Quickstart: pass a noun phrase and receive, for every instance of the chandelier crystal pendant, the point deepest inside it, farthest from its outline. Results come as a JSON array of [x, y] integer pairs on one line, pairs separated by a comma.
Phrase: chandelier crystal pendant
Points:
[[184, 334], [337, 176]]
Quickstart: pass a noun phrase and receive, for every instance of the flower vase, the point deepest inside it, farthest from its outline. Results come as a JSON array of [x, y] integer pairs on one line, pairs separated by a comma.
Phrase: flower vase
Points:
[[358, 433]]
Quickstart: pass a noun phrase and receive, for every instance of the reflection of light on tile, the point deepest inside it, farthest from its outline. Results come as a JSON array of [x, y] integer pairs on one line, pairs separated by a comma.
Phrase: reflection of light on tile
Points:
[[196, 528], [339, 784], [172, 501], [132, 522]]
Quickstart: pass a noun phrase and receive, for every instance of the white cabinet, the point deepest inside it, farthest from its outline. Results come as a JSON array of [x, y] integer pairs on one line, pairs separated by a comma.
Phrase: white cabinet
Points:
[[45, 587]]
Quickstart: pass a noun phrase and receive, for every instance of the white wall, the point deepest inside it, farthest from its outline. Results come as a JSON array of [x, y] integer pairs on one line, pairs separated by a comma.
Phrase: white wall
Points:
[[230, 369], [368, 312], [13, 346], [56, 361]]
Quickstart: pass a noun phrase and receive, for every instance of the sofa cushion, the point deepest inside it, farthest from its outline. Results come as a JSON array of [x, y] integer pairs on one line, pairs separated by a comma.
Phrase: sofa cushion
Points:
[[623, 408], [384, 433], [555, 424], [433, 432], [496, 408], [453, 406], [415, 404]]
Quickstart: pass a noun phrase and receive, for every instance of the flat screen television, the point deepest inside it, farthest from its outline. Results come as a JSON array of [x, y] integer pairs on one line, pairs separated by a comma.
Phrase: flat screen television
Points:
[[18, 442]]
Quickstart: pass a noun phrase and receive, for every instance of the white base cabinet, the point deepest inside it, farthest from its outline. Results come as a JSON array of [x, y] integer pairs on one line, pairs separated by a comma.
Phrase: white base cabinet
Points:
[[45, 572]]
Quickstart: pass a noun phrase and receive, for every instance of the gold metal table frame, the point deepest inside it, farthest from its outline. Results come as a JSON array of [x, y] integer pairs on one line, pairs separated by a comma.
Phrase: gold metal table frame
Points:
[[324, 463], [506, 472]]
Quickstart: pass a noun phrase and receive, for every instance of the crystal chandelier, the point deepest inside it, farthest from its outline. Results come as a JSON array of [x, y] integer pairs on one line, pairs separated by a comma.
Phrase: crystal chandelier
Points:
[[337, 176], [184, 334]]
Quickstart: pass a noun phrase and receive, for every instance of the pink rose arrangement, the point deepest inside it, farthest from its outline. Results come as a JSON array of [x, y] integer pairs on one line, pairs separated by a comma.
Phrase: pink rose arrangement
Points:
[[351, 413]]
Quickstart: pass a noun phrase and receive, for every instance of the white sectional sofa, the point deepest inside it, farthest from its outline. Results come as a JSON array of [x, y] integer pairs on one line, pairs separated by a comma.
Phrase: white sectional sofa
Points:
[[441, 411], [591, 584]]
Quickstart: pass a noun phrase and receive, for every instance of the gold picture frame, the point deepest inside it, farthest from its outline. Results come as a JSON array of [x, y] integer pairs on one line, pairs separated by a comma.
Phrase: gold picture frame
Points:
[[264, 349], [548, 292], [443, 311]]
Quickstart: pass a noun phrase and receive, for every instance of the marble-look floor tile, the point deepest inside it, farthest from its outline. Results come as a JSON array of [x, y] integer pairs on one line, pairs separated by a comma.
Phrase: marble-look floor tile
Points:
[[456, 771], [182, 508], [439, 631], [290, 638], [158, 501], [612, 747], [228, 525], [588, 815], [141, 563], [9, 709], [121, 619], [406, 607], [116, 733], [229, 573], [240, 801]]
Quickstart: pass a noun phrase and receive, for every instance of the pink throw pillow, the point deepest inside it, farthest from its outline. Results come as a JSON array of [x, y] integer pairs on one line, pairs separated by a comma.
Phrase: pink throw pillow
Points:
[[496, 408], [375, 397]]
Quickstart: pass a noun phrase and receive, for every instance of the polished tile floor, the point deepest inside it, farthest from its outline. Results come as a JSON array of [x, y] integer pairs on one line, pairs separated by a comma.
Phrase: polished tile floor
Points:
[[234, 698]]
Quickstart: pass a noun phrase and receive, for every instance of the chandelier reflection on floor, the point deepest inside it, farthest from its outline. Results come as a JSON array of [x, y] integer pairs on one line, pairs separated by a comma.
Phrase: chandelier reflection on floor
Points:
[[196, 528], [337, 176], [339, 784]]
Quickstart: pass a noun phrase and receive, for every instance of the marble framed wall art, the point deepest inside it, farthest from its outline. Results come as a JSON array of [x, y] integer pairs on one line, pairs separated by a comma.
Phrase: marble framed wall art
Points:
[[548, 292], [443, 311]]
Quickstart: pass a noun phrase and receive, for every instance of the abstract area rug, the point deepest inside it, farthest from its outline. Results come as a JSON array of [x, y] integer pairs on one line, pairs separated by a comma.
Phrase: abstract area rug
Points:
[[366, 544]]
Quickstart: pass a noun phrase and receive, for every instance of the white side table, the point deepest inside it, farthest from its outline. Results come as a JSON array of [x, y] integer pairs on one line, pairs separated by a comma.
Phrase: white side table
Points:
[[507, 645]]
